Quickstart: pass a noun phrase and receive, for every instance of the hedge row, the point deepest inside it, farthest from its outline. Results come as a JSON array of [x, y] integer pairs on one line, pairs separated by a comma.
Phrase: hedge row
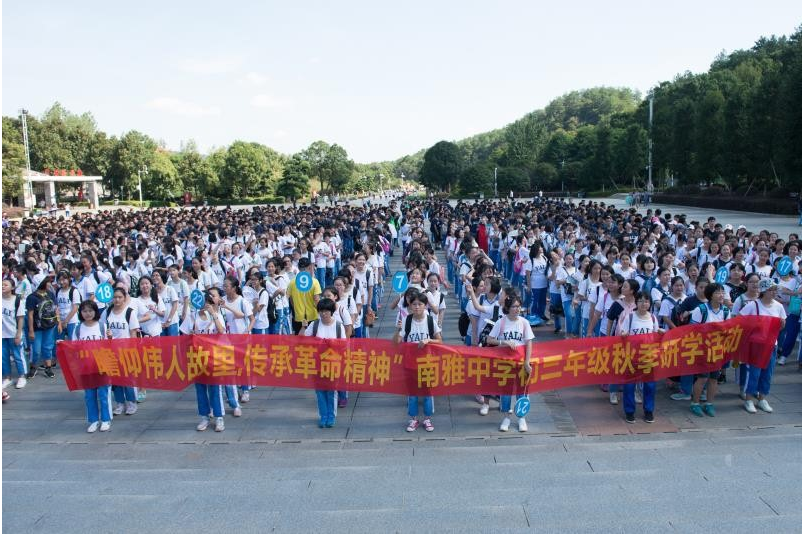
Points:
[[774, 206]]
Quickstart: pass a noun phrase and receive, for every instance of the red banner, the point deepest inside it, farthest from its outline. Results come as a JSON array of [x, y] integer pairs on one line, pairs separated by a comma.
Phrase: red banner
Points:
[[173, 363]]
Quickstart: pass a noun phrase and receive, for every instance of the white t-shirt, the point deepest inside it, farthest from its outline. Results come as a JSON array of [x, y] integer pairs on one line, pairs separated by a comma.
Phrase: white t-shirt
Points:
[[419, 330], [325, 331], [775, 309], [538, 276], [119, 327], [713, 316], [66, 299], [604, 303], [588, 288], [203, 324], [84, 332], [153, 326], [262, 298], [518, 331], [168, 297], [234, 325], [10, 318], [667, 305], [631, 324]]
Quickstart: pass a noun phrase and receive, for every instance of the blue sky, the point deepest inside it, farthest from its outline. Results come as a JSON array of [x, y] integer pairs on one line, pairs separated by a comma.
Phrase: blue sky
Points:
[[381, 79]]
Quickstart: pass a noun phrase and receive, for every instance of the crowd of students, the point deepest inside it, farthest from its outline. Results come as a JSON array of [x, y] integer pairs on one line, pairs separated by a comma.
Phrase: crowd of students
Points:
[[587, 269]]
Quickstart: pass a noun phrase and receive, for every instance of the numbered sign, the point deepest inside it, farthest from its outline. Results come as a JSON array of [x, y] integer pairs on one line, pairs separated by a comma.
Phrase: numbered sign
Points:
[[784, 266], [304, 281], [104, 293], [197, 299], [400, 282], [722, 275], [522, 407]]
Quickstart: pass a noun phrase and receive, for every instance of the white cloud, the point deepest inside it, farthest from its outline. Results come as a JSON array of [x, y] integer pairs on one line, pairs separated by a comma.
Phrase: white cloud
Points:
[[213, 65], [267, 101], [254, 78], [177, 106]]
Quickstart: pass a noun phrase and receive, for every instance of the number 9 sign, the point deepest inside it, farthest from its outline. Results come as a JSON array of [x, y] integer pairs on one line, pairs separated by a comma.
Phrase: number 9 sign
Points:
[[721, 275], [197, 299], [303, 281], [104, 293]]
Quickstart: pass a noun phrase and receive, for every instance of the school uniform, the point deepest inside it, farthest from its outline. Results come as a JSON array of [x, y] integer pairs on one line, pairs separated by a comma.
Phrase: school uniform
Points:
[[327, 400], [97, 400]]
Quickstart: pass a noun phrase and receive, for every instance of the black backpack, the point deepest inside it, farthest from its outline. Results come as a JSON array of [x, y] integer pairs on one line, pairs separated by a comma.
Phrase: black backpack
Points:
[[463, 323], [46, 317], [271, 308], [483, 337], [408, 325]]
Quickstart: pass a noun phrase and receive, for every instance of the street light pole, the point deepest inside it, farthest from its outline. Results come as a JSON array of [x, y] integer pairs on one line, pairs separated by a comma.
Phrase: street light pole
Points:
[[24, 119], [649, 148], [143, 169], [496, 192]]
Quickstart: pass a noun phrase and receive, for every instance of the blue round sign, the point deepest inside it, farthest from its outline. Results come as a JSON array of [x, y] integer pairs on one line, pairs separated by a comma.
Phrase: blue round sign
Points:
[[304, 281], [721, 276], [522, 407], [400, 282], [104, 293], [197, 299], [784, 266]]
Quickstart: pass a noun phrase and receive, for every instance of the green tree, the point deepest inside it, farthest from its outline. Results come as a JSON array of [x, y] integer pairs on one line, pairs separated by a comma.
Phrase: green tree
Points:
[[13, 160], [161, 181], [477, 179], [544, 176], [245, 170], [294, 182], [442, 166], [630, 152], [131, 154]]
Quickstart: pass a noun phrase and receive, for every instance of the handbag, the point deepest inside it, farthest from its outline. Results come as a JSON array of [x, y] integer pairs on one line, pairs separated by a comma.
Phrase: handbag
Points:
[[794, 305]]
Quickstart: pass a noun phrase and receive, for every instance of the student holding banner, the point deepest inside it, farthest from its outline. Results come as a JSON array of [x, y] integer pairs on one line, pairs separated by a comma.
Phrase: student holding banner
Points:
[[418, 327], [209, 320], [92, 328], [326, 326], [122, 323], [513, 331], [632, 323]]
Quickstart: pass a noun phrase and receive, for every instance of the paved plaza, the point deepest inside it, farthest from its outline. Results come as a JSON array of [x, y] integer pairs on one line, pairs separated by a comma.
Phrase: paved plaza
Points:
[[579, 468]]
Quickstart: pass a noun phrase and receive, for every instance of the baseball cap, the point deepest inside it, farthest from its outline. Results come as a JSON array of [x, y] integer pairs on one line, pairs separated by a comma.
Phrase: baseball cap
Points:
[[729, 227], [766, 284]]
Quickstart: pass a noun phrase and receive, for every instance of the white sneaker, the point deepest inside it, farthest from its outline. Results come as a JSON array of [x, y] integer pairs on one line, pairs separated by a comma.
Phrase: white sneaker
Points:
[[782, 360], [238, 412], [639, 397], [131, 408], [245, 397], [202, 424], [6, 382], [219, 426], [749, 406], [614, 398], [21, 382], [118, 409], [105, 426], [484, 409], [505, 426], [92, 428], [522, 425], [764, 406]]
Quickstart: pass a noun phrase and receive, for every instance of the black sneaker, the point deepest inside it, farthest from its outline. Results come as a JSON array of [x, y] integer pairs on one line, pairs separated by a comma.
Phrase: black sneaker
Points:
[[649, 417], [42, 367], [722, 378], [31, 372], [630, 418], [49, 372]]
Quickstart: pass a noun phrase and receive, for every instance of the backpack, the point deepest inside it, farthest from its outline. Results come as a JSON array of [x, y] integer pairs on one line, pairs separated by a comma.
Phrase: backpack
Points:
[[134, 289], [46, 317], [463, 323], [408, 325], [725, 312], [338, 328], [483, 337], [736, 291], [676, 316], [270, 308]]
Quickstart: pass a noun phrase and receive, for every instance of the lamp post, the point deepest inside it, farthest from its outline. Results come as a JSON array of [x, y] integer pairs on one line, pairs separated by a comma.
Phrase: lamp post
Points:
[[24, 119], [140, 172], [496, 192]]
